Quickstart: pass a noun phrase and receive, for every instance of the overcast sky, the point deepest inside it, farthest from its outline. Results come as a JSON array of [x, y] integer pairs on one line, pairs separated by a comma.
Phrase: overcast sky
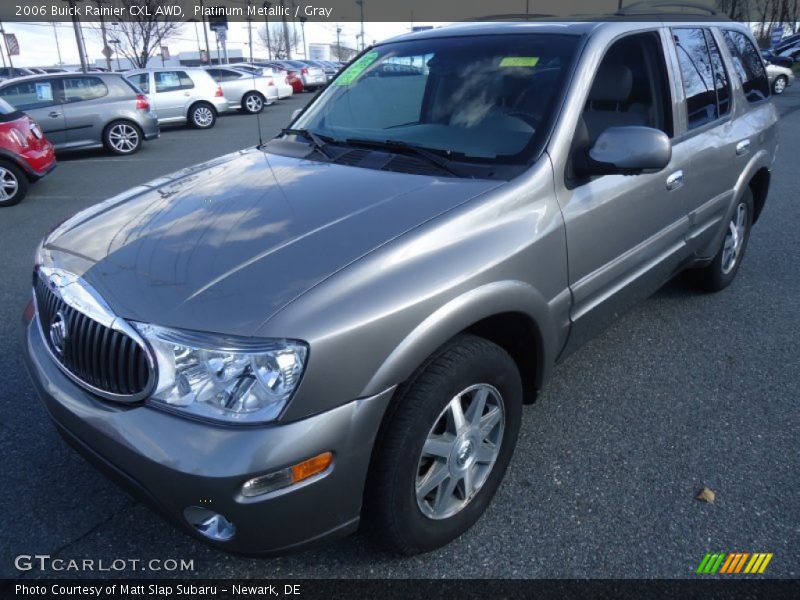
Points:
[[38, 44]]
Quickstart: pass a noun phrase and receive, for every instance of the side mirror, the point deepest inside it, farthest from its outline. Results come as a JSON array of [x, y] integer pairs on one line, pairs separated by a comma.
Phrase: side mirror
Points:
[[625, 151], [296, 113]]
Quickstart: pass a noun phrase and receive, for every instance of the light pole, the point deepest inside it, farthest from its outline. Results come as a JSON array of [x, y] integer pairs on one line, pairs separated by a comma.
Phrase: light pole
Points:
[[338, 45], [286, 32], [361, 8], [76, 25], [205, 33], [106, 53], [250, 30], [115, 42], [267, 6]]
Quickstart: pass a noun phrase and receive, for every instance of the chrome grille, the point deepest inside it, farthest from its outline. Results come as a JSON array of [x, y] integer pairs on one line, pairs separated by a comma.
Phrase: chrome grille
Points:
[[106, 360]]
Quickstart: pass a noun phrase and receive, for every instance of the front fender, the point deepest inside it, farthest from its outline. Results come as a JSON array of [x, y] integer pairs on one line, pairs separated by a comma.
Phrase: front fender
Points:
[[461, 313]]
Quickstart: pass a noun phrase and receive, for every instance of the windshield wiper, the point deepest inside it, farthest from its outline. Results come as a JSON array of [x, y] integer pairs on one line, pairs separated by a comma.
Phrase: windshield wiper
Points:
[[316, 141], [418, 151]]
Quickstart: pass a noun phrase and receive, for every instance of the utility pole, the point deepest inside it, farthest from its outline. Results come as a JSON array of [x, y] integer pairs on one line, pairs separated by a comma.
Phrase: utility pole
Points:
[[361, 8], [338, 45], [58, 47], [303, 29], [249, 30], [267, 6], [76, 25], [285, 31]]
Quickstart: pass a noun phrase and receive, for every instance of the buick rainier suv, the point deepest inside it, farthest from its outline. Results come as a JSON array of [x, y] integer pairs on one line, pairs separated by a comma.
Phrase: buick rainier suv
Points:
[[340, 327]]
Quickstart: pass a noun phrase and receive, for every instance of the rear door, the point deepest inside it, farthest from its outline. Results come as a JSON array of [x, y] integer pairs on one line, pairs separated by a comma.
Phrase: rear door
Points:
[[39, 98], [86, 108], [706, 131]]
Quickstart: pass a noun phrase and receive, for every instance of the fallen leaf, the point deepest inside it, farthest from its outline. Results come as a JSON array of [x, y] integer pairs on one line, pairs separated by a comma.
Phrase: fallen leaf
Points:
[[706, 495]]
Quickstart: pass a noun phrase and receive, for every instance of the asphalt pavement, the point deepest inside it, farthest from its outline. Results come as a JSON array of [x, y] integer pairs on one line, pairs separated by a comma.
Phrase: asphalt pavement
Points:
[[687, 390]]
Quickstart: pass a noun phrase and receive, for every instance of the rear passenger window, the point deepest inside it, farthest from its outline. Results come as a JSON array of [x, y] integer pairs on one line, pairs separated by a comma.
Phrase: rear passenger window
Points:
[[748, 65], [77, 89], [697, 72], [721, 82], [171, 81]]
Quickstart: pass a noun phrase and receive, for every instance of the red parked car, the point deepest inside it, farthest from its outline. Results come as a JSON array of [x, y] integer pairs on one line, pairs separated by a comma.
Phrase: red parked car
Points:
[[292, 75], [25, 154]]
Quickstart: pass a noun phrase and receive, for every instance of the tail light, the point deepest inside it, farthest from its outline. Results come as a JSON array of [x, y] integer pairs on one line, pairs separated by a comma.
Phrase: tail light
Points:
[[142, 103], [270, 82], [304, 71], [36, 130], [219, 93]]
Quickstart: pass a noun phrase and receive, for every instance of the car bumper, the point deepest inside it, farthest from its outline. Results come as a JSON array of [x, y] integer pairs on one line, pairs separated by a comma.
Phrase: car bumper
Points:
[[173, 463], [38, 163], [150, 127], [220, 104]]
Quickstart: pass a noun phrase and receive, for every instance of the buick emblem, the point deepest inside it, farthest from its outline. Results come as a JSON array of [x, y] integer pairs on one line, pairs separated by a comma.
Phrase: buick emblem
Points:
[[58, 333]]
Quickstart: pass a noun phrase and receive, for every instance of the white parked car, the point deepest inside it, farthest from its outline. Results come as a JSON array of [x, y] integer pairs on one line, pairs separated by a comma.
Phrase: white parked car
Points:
[[283, 87], [181, 95], [249, 92], [779, 78]]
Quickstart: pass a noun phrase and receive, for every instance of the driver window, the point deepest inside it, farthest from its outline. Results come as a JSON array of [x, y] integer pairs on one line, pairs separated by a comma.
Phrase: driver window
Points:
[[630, 87]]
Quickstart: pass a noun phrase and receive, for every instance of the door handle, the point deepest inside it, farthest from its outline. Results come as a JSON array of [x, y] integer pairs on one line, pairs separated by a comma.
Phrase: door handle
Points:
[[54, 114], [186, 94], [675, 180], [742, 147]]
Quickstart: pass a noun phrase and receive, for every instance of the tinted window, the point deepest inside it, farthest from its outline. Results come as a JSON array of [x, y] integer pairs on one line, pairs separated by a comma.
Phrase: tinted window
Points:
[[721, 81], [141, 81], [29, 94], [697, 72], [748, 66], [223, 74], [77, 89], [171, 81]]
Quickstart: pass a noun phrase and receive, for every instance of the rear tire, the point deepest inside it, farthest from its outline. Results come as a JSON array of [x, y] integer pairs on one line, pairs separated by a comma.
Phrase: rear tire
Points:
[[253, 103], [723, 268], [122, 138], [13, 184], [779, 85], [434, 473], [202, 116]]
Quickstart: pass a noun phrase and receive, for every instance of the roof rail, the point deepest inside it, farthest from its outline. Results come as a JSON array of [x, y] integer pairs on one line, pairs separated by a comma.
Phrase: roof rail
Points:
[[647, 6], [513, 17]]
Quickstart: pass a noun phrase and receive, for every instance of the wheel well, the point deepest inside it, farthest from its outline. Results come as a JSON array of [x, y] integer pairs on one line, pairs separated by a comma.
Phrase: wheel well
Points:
[[128, 121], [518, 335], [17, 163], [197, 103], [759, 185]]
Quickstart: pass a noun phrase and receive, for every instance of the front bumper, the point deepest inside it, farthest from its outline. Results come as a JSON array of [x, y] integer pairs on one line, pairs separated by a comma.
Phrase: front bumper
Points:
[[173, 463]]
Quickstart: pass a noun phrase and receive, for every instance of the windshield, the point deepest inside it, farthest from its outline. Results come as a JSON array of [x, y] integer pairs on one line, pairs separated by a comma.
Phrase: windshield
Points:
[[486, 98]]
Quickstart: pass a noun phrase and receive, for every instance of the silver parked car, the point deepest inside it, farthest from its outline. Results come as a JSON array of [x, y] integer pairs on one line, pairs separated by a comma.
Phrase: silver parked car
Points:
[[344, 324], [181, 95], [248, 92], [85, 110], [283, 88]]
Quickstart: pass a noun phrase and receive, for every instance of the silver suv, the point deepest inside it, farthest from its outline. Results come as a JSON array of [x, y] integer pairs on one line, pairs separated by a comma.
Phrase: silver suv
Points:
[[181, 95], [343, 325]]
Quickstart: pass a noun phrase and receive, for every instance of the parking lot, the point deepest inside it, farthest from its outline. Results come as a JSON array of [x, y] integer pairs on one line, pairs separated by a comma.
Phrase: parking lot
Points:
[[688, 390]]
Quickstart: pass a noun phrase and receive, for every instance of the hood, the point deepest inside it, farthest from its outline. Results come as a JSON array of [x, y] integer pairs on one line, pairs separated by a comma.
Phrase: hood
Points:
[[223, 246]]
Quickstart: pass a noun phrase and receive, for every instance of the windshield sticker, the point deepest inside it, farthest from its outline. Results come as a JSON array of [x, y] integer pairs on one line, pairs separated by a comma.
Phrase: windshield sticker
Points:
[[519, 61], [355, 70]]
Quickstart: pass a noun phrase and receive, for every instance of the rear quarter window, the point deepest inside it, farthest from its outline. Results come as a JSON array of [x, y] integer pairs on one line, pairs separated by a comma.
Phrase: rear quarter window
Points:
[[748, 65], [172, 81], [81, 89]]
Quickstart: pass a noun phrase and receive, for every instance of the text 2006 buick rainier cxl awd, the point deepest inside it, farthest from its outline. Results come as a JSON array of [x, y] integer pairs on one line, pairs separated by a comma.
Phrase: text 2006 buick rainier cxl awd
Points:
[[343, 324]]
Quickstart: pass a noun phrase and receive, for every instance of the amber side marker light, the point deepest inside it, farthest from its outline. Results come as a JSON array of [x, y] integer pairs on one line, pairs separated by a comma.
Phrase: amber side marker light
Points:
[[288, 476]]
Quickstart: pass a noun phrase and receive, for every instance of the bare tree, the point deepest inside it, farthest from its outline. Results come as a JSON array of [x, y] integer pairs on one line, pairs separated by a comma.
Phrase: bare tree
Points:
[[275, 42], [141, 36], [342, 53]]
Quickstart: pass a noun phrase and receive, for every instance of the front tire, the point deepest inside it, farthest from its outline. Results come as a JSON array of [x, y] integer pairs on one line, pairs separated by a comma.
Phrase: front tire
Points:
[[202, 116], [13, 184], [444, 447], [779, 85], [122, 138], [723, 268]]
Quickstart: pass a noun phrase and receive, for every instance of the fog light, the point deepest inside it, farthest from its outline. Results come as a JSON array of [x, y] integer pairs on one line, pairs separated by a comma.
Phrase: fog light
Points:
[[288, 476], [211, 524]]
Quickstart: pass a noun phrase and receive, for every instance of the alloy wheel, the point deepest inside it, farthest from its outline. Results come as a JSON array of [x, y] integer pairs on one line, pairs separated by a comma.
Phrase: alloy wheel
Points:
[[203, 117], [460, 451], [8, 185], [123, 138], [734, 239], [780, 85], [253, 103]]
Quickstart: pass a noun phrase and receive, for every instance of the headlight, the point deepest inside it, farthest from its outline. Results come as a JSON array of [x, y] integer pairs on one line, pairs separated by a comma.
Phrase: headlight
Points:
[[223, 379]]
